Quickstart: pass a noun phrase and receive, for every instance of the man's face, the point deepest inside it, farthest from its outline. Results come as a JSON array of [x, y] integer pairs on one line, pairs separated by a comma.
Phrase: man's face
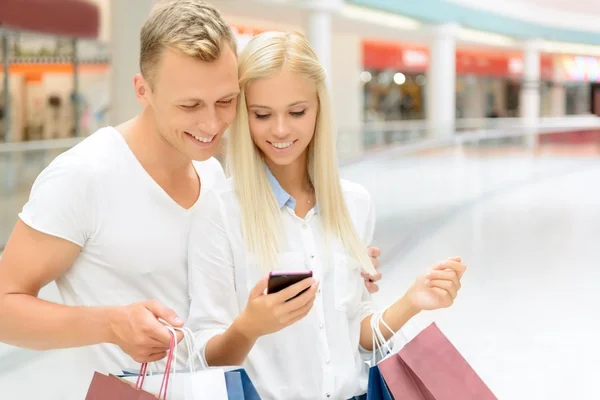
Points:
[[193, 101]]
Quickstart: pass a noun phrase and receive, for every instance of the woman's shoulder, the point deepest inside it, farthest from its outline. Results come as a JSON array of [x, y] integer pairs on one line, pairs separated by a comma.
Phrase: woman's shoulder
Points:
[[220, 197], [355, 192]]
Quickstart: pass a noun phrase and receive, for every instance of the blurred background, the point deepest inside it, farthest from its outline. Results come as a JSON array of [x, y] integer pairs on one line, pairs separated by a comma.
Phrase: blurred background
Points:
[[473, 123]]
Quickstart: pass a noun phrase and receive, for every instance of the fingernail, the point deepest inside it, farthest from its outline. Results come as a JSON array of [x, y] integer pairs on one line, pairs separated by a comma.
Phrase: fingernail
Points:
[[427, 283]]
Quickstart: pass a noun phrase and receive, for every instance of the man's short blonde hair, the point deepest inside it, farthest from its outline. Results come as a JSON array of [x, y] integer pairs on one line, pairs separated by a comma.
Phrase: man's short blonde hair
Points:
[[192, 27]]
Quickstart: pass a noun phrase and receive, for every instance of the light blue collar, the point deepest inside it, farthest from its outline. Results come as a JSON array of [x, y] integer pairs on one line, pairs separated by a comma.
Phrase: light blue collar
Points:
[[283, 198]]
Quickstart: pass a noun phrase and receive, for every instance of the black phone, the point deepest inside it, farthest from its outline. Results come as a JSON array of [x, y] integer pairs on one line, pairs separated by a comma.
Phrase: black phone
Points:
[[279, 280]]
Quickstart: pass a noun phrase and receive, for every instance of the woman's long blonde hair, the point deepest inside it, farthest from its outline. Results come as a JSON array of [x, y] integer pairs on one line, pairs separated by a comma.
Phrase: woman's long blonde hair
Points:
[[264, 56]]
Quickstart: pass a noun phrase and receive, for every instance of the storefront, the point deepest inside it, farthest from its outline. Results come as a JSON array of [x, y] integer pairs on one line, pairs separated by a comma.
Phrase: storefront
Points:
[[580, 77], [45, 75], [487, 82], [393, 81]]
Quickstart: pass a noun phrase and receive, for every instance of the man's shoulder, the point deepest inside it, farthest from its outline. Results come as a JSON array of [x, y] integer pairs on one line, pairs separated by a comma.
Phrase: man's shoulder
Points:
[[92, 152]]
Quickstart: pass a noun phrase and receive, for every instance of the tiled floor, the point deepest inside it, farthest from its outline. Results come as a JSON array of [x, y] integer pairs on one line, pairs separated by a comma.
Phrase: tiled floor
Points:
[[528, 228]]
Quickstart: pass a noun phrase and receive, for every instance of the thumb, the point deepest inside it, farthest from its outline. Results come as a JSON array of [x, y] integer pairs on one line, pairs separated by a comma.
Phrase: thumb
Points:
[[160, 311], [259, 289], [457, 259]]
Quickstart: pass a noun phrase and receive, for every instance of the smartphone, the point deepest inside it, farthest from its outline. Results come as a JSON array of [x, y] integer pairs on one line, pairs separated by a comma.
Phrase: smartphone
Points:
[[279, 280]]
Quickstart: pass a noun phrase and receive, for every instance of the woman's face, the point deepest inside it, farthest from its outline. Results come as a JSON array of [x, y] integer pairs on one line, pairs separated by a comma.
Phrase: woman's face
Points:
[[282, 113]]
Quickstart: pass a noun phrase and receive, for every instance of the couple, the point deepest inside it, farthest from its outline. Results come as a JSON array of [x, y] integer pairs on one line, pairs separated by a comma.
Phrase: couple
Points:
[[138, 223]]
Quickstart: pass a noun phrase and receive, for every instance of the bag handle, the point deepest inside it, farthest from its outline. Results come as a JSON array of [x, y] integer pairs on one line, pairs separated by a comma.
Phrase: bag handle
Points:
[[162, 393], [379, 342], [172, 355]]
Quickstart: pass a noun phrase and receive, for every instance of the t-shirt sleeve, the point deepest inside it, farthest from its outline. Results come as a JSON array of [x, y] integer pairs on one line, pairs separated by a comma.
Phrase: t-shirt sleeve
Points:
[[61, 202]]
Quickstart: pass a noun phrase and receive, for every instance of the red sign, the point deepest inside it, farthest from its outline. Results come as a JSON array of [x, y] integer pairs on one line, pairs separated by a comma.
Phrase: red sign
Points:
[[382, 55], [407, 58]]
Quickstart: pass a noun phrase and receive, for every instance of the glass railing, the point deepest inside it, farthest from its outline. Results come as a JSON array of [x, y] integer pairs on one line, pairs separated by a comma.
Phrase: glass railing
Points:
[[418, 182]]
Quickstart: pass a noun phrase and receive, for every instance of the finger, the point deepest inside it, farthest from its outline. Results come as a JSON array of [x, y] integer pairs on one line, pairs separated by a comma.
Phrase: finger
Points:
[[179, 336], [156, 356], [458, 267], [457, 259], [375, 262], [291, 291], [159, 333], [443, 296], [445, 285], [374, 252], [371, 287], [259, 289], [447, 275], [300, 301], [160, 311], [372, 278], [297, 315]]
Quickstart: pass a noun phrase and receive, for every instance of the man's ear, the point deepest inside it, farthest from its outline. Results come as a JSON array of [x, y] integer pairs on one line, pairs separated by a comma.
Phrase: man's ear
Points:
[[142, 89]]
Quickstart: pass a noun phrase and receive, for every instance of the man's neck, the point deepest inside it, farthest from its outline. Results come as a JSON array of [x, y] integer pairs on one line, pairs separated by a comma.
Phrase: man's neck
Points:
[[151, 149]]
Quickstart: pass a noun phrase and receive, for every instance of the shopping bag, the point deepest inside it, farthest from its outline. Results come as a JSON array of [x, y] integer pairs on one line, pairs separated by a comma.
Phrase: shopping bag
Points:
[[104, 387], [377, 388], [239, 386], [192, 384], [429, 367]]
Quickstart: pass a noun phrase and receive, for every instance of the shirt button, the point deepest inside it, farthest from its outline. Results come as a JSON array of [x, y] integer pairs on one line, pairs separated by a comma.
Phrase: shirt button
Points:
[[328, 362], [312, 256], [328, 395], [319, 290], [305, 226], [321, 326]]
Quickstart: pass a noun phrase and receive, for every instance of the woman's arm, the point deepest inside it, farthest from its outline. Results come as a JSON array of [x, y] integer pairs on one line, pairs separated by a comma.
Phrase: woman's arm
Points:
[[211, 276], [436, 289], [225, 335]]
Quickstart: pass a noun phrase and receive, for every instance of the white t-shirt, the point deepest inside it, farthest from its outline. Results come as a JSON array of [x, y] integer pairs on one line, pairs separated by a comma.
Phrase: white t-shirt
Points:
[[134, 237]]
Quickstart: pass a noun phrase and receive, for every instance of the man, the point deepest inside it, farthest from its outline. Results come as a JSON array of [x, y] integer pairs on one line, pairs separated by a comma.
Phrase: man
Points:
[[108, 220]]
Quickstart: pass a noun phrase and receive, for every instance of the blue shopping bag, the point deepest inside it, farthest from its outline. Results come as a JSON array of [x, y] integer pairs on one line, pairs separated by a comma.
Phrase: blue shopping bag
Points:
[[239, 386], [377, 388]]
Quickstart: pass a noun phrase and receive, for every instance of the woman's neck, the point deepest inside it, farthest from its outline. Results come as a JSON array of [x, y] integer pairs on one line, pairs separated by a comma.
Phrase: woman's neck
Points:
[[293, 178]]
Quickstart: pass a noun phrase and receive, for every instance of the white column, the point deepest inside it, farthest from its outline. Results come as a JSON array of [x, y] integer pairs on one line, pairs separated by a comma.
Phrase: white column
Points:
[[441, 81], [558, 93], [530, 88], [347, 93], [126, 20], [319, 30]]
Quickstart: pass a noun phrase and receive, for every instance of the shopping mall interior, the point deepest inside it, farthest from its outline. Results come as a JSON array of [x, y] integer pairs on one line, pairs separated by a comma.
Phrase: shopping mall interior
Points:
[[475, 126]]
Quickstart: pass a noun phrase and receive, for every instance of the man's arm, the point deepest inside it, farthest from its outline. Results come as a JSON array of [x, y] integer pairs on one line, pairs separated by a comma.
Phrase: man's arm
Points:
[[32, 260]]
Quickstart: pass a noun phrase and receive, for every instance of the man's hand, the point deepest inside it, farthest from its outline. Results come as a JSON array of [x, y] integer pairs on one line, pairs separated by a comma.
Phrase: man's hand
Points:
[[138, 332], [372, 287]]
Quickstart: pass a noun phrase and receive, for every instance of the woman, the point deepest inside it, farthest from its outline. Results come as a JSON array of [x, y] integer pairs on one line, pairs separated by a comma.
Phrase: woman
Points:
[[285, 208]]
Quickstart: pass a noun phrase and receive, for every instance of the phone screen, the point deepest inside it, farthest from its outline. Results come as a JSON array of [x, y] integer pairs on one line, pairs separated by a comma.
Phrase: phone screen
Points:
[[281, 280]]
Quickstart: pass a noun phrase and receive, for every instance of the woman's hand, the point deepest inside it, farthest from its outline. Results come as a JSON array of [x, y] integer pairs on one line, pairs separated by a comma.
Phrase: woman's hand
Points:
[[270, 313], [438, 287]]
